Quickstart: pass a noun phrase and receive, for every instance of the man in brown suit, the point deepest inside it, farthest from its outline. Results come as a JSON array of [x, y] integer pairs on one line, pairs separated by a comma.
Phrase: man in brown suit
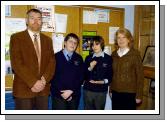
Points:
[[33, 63]]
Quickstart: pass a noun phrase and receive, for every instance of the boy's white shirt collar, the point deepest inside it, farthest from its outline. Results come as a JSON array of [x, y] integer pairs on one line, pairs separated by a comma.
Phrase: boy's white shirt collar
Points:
[[67, 52], [98, 54]]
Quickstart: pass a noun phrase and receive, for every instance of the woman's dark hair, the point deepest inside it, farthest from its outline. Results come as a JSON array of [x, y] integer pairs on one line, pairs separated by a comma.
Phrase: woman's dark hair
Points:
[[98, 40]]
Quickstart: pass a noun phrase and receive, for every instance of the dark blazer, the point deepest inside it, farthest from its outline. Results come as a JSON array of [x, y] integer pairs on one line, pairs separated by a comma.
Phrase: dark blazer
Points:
[[24, 64]]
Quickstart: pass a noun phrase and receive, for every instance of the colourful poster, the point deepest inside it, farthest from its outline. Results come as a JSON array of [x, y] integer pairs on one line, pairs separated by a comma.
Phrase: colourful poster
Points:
[[47, 17]]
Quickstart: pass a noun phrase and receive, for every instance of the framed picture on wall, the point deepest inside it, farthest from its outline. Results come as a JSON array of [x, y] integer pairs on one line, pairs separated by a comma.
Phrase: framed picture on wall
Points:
[[149, 57]]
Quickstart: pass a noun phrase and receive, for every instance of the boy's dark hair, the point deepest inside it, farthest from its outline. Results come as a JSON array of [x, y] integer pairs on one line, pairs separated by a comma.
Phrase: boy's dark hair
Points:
[[99, 40], [35, 11], [72, 35]]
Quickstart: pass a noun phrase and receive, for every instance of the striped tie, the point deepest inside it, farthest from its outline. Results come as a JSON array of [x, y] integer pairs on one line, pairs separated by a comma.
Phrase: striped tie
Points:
[[36, 45]]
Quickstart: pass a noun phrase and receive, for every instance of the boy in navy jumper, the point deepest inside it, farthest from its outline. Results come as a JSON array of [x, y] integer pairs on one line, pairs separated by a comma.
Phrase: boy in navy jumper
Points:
[[68, 77], [98, 69]]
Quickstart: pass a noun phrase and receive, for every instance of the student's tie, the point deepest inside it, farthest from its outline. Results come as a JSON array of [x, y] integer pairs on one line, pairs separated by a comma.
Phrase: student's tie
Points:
[[36, 45], [69, 58]]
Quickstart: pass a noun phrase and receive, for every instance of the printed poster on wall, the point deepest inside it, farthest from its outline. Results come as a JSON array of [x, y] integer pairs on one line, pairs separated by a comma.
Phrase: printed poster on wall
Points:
[[48, 17], [58, 40], [90, 17], [103, 15]]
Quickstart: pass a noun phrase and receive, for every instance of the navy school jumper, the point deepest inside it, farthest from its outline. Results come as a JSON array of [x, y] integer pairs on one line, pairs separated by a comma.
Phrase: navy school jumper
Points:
[[102, 70], [68, 75]]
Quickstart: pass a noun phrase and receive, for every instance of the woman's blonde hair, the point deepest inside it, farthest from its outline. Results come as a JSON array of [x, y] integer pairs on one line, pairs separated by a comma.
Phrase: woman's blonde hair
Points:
[[127, 34]]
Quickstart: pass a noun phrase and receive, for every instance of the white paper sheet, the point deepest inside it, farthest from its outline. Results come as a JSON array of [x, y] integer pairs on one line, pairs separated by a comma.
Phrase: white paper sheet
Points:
[[13, 25], [90, 17], [58, 40], [60, 23], [112, 31]]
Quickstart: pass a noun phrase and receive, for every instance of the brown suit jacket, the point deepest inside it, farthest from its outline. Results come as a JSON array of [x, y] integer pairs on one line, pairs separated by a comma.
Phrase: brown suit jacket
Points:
[[24, 63]]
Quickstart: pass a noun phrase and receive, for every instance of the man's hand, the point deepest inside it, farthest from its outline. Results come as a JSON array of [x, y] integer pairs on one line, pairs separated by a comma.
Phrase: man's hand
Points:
[[33, 89], [43, 80], [66, 94], [38, 86]]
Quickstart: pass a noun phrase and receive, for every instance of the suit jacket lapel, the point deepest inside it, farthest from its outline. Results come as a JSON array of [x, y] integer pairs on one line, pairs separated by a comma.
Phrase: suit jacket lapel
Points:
[[30, 44], [42, 49]]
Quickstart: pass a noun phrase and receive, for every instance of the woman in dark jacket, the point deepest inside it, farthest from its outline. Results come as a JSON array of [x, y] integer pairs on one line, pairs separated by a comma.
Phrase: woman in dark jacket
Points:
[[127, 82]]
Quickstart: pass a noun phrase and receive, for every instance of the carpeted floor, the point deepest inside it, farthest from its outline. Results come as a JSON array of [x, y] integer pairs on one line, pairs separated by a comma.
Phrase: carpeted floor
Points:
[[9, 102]]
